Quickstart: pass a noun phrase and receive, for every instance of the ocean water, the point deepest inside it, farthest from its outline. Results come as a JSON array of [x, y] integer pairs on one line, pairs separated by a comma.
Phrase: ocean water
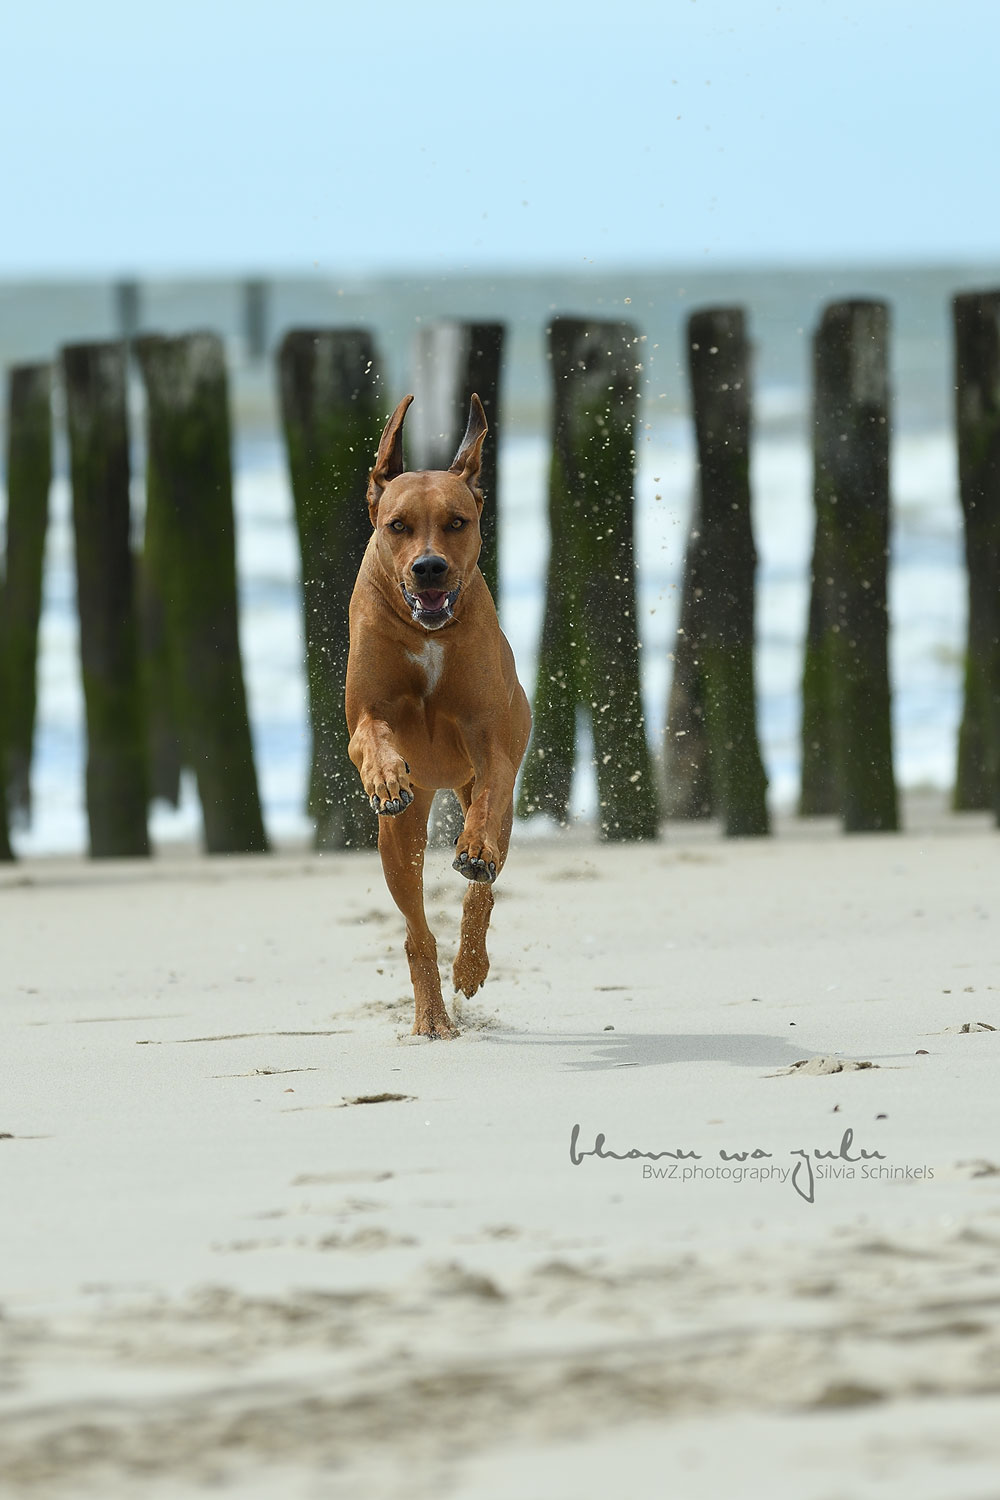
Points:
[[927, 585]]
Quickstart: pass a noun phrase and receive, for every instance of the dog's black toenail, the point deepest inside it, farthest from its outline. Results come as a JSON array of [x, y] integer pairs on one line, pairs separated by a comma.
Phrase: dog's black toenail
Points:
[[462, 858], [455, 841], [493, 868], [406, 763]]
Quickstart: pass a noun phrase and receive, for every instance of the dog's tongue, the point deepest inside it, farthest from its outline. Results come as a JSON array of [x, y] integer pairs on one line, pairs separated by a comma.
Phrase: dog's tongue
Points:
[[433, 599]]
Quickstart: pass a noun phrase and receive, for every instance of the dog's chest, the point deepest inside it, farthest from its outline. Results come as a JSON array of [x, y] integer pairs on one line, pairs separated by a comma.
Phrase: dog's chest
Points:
[[429, 661]]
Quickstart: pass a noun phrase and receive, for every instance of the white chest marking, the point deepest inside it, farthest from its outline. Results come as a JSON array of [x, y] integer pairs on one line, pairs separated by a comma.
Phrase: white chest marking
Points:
[[430, 660]]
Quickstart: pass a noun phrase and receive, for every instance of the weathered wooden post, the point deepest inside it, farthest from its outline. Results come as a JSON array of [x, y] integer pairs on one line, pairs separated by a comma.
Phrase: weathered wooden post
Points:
[[688, 791], [255, 319], [128, 309], [589, 652], [846, 678], [29, 475], [818, 792], [711, 740], [189, 505], [451, 361], [94, 378], [5, 850], [977, 412], [163, 730], [329, 382]]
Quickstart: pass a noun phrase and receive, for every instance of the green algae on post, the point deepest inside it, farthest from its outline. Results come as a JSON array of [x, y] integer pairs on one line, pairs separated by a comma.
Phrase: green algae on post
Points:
[[712, 748], [847, 724], [95, 380], [329, 380], [29, 476], [976, 318], [189, 508], [6, 852], [589, 652]]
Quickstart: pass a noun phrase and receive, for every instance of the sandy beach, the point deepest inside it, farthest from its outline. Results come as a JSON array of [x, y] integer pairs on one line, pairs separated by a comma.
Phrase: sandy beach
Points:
[[256, 1238]]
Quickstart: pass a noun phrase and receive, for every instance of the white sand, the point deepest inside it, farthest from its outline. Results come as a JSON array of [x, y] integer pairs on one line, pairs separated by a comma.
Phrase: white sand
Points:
[[214, 1272]]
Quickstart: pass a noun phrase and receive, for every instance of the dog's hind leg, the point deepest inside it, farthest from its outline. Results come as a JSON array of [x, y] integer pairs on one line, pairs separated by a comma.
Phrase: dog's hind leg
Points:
[[472, 963], [401, 844]]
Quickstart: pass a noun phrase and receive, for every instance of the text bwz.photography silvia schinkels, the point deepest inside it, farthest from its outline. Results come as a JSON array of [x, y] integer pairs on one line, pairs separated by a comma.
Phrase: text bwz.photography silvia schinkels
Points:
[[808, 1165]]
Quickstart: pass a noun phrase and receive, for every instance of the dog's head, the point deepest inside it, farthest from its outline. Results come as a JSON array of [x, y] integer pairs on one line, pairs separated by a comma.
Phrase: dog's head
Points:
[[427, 523]]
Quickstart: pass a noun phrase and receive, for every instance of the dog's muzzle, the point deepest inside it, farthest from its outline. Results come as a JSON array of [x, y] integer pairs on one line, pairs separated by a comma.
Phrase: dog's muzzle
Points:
[[431, 608]]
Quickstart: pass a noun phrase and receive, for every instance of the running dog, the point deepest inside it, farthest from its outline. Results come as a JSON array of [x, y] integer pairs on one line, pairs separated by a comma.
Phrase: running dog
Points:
[[433, 698]]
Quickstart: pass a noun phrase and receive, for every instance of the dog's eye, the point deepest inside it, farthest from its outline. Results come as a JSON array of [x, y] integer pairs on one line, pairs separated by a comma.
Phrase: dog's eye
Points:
[[457, 524], [397, 525]]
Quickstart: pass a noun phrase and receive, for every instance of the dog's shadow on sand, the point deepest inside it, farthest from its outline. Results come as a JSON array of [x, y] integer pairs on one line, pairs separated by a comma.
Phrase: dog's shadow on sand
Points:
[[625, 1049]]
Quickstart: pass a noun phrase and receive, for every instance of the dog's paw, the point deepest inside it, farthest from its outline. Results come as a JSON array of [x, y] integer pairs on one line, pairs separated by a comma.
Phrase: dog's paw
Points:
[[476, 860], [389, 791], [470, 969], [392, 805], [435, 1023]]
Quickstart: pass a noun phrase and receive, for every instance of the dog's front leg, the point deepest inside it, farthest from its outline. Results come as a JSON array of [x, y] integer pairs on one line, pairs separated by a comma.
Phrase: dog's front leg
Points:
[[401, 846], [385, 775], [481, 847]]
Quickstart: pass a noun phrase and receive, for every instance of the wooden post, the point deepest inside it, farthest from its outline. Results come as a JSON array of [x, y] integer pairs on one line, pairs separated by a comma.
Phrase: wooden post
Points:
[[451, 361], [163, 729], [589, 652], [547, 778], [189, 505], [255, 309], [6, 852], [128, 309], [29, 475], [818, 793], [688, 791], [94, 377], [977, 413], [718, 602], [846, 683], [329, 382]]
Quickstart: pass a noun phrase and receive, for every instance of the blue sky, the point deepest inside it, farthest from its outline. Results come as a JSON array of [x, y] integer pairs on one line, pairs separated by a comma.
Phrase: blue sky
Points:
[[207, 135]]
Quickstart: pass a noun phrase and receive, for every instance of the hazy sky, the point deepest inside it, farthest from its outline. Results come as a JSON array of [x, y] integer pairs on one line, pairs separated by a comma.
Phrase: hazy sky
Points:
[[292, 134]]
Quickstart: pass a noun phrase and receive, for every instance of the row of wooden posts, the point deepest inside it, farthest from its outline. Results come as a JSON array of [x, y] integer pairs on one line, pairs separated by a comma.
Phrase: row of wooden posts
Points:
[[162, 674]]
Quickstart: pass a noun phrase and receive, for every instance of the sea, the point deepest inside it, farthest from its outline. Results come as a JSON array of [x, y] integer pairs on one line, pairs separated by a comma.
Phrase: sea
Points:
[[927, 589]]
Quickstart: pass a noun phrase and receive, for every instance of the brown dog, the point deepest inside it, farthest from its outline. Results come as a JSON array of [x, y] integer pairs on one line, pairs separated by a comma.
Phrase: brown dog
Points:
[[433, 698]]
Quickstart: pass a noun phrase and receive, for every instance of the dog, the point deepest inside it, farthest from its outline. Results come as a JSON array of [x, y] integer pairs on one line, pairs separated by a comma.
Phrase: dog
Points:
[[433, 699]]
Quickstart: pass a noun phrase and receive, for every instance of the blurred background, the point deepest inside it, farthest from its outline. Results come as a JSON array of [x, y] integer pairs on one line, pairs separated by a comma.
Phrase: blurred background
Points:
[[253, 167]]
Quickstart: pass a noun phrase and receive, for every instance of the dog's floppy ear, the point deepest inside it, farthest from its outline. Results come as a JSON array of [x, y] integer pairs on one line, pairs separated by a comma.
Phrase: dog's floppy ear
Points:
[[389, 462], [468, 459]]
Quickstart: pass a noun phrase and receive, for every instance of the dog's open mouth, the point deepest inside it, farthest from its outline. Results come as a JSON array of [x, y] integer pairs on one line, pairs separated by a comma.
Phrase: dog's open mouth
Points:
[[431, 607]]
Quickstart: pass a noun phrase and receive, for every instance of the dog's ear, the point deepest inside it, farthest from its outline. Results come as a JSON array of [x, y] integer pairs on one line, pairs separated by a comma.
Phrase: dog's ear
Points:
[[468, 460], [389, 461]]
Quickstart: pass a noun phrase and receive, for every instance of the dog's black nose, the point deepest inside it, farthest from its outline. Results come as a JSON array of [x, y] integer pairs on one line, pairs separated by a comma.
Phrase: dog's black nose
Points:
[[429, 569]]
